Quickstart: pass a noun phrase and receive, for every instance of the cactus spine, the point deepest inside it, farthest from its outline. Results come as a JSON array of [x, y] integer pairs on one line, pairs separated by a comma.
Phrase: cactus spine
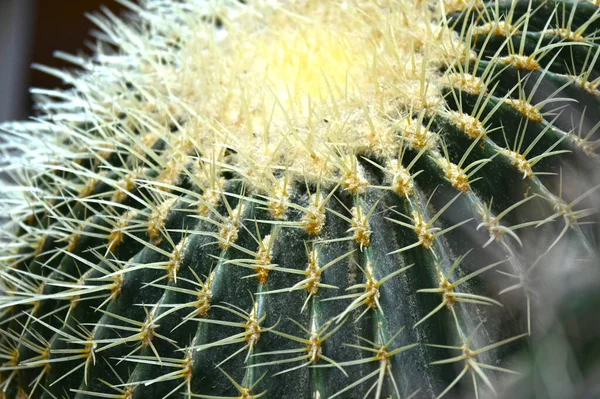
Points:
[[300, 199]]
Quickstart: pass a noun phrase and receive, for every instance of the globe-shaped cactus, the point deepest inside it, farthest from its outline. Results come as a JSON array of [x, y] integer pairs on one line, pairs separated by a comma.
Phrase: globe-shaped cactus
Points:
[[303, 199]]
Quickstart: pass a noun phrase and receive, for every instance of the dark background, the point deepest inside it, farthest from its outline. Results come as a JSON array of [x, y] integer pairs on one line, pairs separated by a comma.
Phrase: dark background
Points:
[[30, 31]]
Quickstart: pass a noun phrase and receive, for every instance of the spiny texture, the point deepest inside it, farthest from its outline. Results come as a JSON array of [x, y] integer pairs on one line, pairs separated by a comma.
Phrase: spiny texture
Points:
[[301, 199]]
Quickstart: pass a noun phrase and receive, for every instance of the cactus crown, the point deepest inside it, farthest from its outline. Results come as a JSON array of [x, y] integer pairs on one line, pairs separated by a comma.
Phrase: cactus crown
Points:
[[302, 199]]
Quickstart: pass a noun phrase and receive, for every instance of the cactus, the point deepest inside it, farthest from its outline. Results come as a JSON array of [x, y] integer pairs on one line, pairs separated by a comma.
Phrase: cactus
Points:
[[309, 199]]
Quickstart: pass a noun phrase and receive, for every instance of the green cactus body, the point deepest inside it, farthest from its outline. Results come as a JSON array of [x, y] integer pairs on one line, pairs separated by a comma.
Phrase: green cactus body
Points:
[[300, 200]]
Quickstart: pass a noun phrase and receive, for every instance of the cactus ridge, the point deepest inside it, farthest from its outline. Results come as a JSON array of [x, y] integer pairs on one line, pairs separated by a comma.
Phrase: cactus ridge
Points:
[[300, 199]]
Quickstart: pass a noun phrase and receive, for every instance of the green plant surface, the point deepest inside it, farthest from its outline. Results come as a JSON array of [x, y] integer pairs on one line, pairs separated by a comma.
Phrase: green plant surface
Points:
[[306, 199]]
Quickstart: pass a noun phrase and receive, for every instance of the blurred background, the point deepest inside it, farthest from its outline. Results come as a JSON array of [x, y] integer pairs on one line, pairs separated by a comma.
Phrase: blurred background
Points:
[[30, 31]]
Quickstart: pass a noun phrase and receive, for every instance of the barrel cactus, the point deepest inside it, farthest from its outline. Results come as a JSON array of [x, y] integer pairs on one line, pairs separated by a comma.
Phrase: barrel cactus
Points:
[[302, 199]]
